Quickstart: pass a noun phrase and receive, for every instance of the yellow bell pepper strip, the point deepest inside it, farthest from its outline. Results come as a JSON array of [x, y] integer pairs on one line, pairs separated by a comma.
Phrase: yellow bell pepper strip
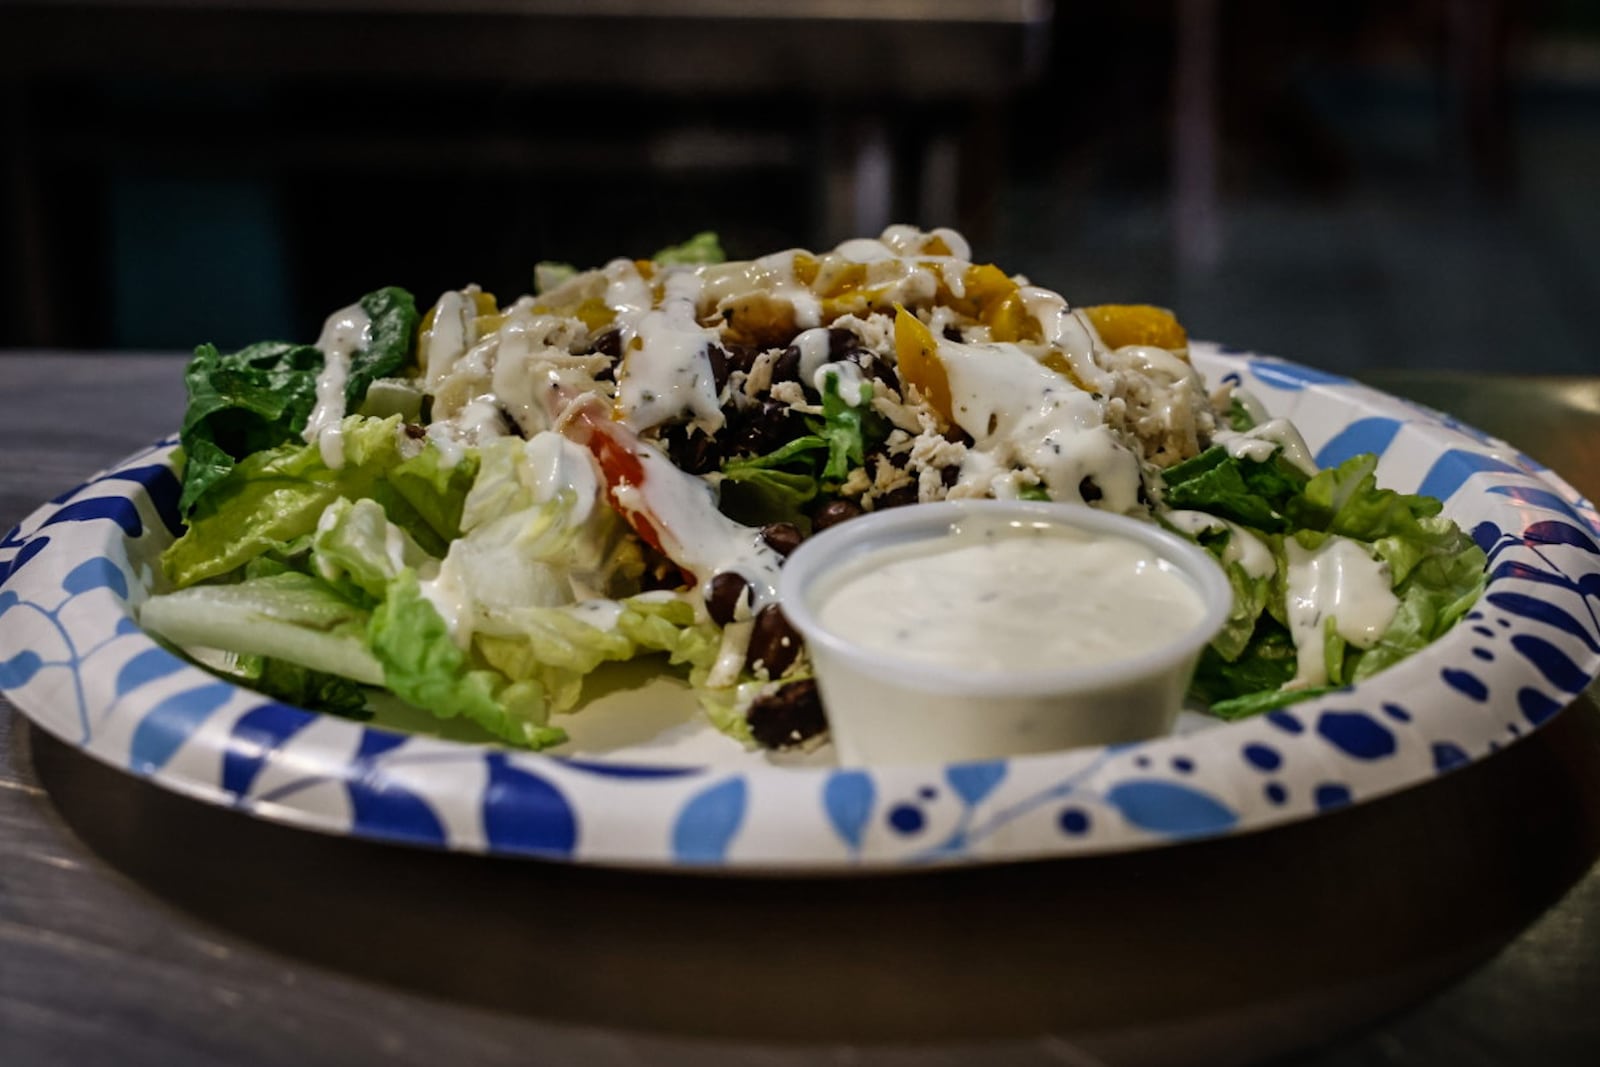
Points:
[[917, 353], [1137, 324]]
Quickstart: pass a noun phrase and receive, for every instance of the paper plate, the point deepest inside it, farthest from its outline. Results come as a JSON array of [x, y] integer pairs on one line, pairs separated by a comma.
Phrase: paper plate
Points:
[[74, 661]]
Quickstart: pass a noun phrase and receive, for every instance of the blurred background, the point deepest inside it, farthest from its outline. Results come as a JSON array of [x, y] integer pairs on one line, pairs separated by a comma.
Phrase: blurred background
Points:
[[1349, 183]]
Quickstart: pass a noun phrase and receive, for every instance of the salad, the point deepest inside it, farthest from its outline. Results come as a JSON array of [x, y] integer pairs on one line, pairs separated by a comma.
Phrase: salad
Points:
[[475, 506]]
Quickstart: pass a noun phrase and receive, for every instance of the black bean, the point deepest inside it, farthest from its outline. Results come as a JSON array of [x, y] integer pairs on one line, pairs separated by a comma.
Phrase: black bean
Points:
[[719, 365], [782, 537], [742, 357], [416, 431], [833, 513], [726, 592], [897, 498], [774, 644], [950, 475], [841, 342], [953, 333], [788, 716], [1089, 490], [897, 460], [787, 367], [692, 450], [872, 367], [956, 435], [609, 344], [767, 427]]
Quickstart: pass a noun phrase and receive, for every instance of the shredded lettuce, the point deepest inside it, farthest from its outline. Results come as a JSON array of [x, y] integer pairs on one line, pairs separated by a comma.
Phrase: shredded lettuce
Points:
[[356, 545], [1253, 494], [275, 496], [423, 666], [703, 247], [1436, 571], [776, 487]]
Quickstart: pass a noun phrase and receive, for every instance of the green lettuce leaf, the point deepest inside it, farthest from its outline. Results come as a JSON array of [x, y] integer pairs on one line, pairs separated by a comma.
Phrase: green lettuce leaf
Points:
[[355, 543], [1252, 493], [423, 666], [394, 318], [528, 544], [1346, 501], [848, 429], [289, 616], [1238, 417], [275, 496], [261, 396], [301, 686], [1266, 662], [240, 403], [703, 247], [757, 496], [1436, 571], [436, 490]]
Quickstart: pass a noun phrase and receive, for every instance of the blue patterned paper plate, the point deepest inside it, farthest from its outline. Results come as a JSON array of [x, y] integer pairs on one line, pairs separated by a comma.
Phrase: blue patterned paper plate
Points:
[[73, 659]]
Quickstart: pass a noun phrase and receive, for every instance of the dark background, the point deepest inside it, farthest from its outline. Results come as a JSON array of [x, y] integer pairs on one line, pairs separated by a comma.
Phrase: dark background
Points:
[[1349, 184]]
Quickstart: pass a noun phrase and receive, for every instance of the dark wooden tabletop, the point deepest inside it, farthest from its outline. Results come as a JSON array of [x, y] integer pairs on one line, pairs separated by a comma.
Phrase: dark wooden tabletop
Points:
[[1455, 923]]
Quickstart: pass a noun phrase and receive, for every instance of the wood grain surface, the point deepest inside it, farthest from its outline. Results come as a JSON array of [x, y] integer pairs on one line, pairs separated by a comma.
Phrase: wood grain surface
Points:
[[1455, 923]]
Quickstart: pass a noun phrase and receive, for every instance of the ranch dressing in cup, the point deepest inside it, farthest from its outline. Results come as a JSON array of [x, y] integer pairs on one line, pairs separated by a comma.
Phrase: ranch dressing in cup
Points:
[[981, 628]]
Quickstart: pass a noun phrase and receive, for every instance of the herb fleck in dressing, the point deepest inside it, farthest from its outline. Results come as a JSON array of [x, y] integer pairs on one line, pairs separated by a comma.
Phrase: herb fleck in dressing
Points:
[[1003, 596]]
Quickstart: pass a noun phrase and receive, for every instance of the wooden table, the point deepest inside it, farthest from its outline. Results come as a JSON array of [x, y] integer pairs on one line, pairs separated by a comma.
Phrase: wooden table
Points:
[[1456, 923]]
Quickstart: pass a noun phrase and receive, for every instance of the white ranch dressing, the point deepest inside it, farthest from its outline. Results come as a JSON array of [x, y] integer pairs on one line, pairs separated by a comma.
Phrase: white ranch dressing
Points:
[[695, 534], [1244, 547], [666, 365], [344, 332], [1068, 332], [451, 335], [1019, 411], [815, 349], [1339, 580], [852, 384], [1003, 596], [865, 250], [1259, 442]]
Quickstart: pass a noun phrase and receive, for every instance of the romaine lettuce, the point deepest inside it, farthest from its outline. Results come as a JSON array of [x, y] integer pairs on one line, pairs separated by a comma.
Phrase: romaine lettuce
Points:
[[260, 397]]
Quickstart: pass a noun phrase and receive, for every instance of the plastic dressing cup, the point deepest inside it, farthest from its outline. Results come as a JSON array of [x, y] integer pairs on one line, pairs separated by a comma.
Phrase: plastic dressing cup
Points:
[[981, 628]]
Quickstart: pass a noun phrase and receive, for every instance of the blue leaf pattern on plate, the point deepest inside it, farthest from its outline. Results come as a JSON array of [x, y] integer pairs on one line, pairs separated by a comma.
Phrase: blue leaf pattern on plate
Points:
[[1364, 435], [163, 488], [171, 722], [147, 666], [1538, 498], [524, 813], [118, 509], [974, 781], [96, 573], [384, 809], [1552, 532], [848, 798], [1292, 377], [257, 735], [1451, 471], [1546, 612], [19, 670], [706, 825], [29, 550], [1170, 808], [1553, 663]]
